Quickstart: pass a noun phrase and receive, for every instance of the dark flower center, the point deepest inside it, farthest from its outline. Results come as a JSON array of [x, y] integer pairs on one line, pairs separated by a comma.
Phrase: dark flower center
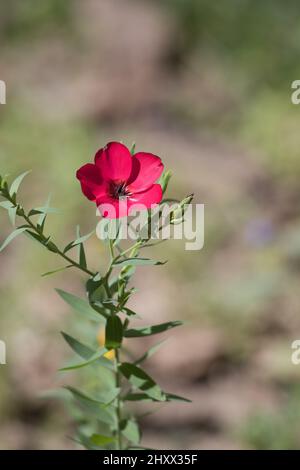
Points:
[[119, 190]]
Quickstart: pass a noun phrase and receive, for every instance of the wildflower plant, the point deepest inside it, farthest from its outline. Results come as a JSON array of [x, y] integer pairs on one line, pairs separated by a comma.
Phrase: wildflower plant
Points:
[[117, 181]]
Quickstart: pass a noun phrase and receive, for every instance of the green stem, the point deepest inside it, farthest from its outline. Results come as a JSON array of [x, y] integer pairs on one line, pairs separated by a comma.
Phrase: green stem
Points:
[[58, 251], [118, 408], [35, 228], [111, 250], [130, 249]]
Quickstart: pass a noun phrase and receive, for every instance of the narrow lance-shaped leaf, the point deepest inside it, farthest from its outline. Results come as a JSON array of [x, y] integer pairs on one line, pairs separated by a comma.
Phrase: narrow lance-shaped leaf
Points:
[[78, 241], [16, 183], [131, 431], [58, 270], [140, 396], [113, 332], [165, 180], [173, 397], [141, 380], [149, 353], [94, 407], [6, 205], [44, 211], [137, 262], [151, 330], [81, 251], [132, 150], [12, 212], [144, 397], [80, 305], [81, 349], [13, 235], [91, 360], [78, 394]]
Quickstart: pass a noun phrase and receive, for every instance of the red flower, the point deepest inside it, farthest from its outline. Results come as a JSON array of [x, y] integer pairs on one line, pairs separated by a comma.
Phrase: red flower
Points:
[[119, 181]]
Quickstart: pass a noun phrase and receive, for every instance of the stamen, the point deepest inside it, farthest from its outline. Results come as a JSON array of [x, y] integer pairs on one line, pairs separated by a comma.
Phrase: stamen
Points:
[[119, 190]]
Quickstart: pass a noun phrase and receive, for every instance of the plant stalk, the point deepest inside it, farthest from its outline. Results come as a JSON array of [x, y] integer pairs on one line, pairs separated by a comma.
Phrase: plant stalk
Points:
[[118, 408]]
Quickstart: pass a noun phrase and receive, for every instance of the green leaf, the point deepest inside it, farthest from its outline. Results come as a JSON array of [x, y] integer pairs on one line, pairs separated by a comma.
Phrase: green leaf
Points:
[[108, 396], [78, 394], [113, 332], [141, 397], [129, 312], [6, 205], [81, 349], [144, 397], [176, 216], [13, 235], [94, 358], [151, 330], [80, 305], [81, 251], [12, 212], [150, 352], [49, 273], [16, 183], [44, 211], [78, 241], [131, 431], [140, 379], [34, 212], [132, 150], [119, 233], [165, 180], [100, 440], [172, 397], [137, 262], [96, 408], [96, 289]]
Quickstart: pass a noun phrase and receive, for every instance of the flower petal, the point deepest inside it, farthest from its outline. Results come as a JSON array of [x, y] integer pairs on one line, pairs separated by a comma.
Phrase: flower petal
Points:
[[147, 198], [111, 208], [146, 169], [114, 161], [92, 184]]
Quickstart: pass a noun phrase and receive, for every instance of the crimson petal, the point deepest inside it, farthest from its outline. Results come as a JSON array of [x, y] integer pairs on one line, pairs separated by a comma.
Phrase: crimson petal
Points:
[[114, 162], [91, 182], [146, 169], [153, 196]]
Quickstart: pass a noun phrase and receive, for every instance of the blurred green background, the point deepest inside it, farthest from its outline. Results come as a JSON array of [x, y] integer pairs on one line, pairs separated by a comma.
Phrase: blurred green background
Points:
[[207, 86]]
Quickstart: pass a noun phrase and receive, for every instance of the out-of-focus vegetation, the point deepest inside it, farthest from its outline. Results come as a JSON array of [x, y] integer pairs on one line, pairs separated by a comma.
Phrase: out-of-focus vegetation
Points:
[[206, 85], [255, 46], [26, 20]]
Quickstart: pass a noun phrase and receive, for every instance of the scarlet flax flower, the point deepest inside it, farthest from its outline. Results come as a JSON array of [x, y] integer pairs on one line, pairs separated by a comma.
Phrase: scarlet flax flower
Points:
[[118, 181]]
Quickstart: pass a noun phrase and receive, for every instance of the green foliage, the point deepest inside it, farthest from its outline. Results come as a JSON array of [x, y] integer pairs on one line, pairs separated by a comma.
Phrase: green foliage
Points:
[[107, 298], [274, 431], [137, 262], [79, 305], [12, 236], [165, 179], [91, 360], [21, 19], [131, 431], [141, 380], [101, 440], [151, 330], [113, 332], [82, 350], [16, 184]]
